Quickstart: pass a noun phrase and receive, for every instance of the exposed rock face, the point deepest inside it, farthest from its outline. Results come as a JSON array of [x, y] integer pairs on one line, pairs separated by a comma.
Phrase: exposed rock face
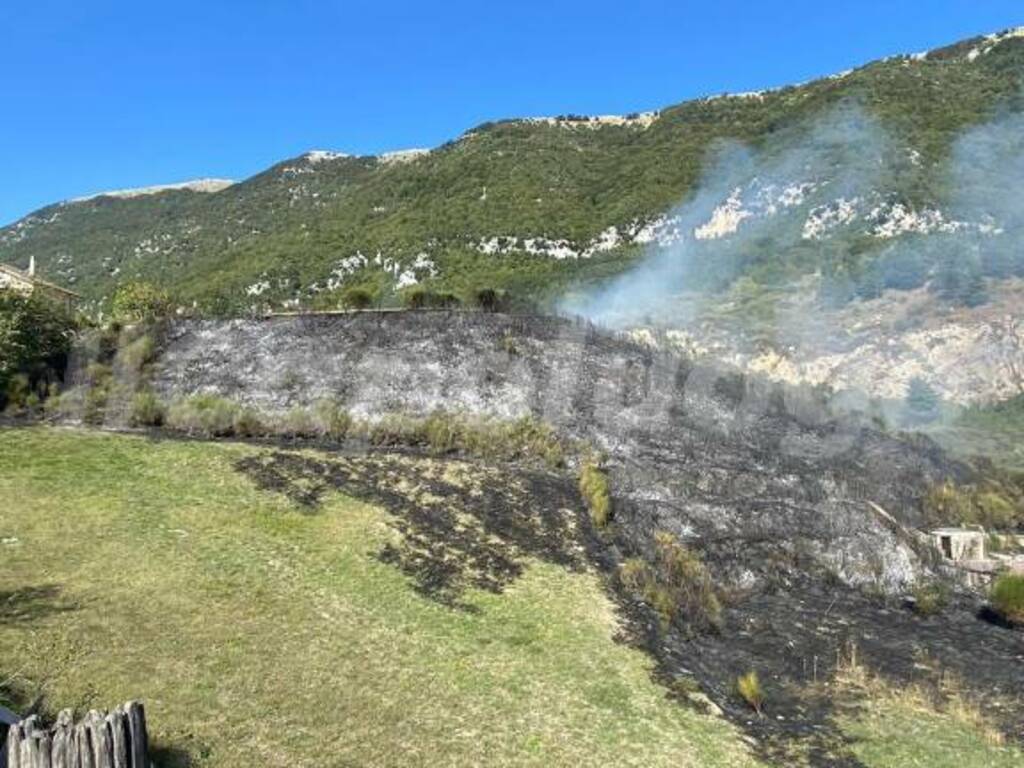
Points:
[[967, 354], [760, 477]]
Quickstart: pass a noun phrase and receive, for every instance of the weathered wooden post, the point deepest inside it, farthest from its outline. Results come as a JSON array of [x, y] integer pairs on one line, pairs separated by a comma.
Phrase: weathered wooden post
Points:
[[116, 739]]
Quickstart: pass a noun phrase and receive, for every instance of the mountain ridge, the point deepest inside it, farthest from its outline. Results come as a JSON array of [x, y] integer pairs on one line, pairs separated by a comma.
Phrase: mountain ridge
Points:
[[532, 205]]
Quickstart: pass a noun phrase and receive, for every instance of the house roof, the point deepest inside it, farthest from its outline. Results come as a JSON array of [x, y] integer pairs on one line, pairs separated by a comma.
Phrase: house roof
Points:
[[26, 277]]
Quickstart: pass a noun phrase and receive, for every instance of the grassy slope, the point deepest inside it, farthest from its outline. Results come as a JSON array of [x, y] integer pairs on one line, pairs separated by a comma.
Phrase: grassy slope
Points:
[[261, 635]]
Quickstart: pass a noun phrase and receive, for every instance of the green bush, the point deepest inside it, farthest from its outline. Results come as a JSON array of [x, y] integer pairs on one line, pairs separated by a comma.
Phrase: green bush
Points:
[[1007, 597], [247, 423], [297, 423], [594, 488], [421, 298], [357, 298], [997, 503], [35, 337], [443, 432], [137, 353], [139, 301], [147, 410]]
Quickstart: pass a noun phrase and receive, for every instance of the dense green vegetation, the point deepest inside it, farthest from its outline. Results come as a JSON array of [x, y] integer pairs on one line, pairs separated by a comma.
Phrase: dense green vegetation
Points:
[[35, 337], [1008, 597], [287, 228]]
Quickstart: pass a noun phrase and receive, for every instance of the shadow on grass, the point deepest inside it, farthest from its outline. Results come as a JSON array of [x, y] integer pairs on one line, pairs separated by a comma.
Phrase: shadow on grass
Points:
[[165, 756], [29, 604]]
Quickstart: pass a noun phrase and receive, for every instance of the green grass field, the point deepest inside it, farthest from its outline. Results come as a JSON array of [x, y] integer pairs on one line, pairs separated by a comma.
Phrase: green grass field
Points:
[[259, 633]]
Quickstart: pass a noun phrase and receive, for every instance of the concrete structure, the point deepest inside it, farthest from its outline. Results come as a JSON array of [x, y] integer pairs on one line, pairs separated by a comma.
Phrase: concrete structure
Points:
[[960, 544], [27, 283]]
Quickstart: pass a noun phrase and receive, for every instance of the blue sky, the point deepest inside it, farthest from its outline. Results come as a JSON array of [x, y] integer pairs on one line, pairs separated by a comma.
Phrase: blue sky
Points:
[[105, 94]]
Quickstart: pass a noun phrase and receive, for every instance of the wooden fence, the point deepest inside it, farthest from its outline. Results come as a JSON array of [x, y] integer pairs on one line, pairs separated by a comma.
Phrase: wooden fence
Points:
[[101, 740]]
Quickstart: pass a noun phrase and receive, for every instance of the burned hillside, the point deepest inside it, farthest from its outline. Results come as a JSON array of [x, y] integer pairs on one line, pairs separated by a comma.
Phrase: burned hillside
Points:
[[803, 521]]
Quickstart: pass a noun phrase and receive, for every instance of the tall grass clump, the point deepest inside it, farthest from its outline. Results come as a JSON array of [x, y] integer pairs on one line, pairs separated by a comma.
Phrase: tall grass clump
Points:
[[212, 416], [332, 421], [1007, 597], [749, 688], [442, 432], [147, 410], [676, 584], [596, 493]]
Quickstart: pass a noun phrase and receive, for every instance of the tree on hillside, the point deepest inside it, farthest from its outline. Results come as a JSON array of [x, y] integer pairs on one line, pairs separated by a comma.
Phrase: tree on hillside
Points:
[[139, 301], [35, 336]]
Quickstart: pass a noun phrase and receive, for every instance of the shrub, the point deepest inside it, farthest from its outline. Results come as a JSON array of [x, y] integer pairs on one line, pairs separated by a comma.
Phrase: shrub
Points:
[[683, 573], [247, 423], [486, 299], [421, 298], [18, 389], [997, 503], [138, 301], [508, 345], [635, 575], [595, 490], [922, 401], [35, 336], [930, 597], [147, 410], [137, 353], [749, 688], [1007, 597], [442, 432], [357, 298]]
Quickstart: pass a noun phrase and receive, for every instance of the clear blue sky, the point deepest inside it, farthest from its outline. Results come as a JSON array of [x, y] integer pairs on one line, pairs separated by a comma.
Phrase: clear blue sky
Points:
[[104, 94]]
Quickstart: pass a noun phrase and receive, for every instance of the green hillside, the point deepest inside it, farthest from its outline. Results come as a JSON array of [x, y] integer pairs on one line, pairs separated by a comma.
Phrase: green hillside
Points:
[[302, 228]]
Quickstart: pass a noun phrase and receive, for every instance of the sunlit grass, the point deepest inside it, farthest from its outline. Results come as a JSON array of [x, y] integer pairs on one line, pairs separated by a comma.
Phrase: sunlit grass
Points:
[[260, 635]]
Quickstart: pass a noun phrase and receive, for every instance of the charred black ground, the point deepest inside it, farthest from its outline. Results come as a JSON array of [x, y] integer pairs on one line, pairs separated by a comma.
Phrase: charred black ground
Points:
[[463, 525]]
